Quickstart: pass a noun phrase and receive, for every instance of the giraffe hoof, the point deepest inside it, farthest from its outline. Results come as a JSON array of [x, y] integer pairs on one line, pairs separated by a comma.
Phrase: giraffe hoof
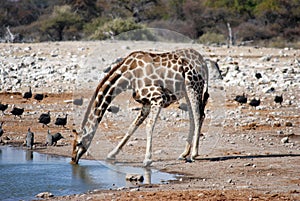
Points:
[[147, 162], [181, 157], [111, 157]]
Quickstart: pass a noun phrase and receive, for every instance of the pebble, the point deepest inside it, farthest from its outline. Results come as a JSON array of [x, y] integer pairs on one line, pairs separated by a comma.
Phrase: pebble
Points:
[[44, 195], [285, 140]]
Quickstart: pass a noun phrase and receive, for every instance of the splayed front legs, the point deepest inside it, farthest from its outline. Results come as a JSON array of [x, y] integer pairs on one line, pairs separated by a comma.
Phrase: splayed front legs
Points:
[[134, 125], [146, 110]]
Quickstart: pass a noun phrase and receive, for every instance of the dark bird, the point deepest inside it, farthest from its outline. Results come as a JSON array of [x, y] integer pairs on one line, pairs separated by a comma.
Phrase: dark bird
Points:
[[17, 111], [53, 139], [254, 102], [183, 107], [29, 139], [56, 138], [258, 75], [113, 109], [38, 97], [78, 101], [3, 107], [61, 121], [45, 118], [27, 94], [241, 98], [278, 99], [1, 131], [271, 90]]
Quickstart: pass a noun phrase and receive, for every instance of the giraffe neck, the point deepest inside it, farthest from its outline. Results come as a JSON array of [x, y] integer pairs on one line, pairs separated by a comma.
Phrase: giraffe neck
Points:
[[110, 86]]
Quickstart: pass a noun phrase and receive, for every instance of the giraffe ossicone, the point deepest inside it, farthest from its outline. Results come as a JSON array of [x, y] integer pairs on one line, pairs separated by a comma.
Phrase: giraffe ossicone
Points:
[[156, 80]]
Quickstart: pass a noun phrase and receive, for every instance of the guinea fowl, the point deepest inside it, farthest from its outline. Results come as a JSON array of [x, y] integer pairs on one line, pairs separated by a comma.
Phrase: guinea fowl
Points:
[[56, 138], [78, 101], [53, 139], [29, 139], [241, 99], [17, 111], [278, 99], [45, 118], [61, 121], [38, 97], [3, 107], [254, 102], [27, 94]]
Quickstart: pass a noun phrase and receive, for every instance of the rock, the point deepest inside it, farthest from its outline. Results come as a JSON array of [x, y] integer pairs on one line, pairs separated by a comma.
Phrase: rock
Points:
[[288, 124], [44, 195], [134, 177], [285, 140]]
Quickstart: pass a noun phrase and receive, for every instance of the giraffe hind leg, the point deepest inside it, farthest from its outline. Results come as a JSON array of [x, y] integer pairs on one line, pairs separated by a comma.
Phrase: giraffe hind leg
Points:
[[132, 128], [189, 139]]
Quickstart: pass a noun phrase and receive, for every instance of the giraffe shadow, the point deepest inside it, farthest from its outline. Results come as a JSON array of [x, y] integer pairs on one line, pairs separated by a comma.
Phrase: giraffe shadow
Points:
[[225, 158]]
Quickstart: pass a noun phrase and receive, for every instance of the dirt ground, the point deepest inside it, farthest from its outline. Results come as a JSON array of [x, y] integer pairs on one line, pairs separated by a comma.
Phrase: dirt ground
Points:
[[246, 158]]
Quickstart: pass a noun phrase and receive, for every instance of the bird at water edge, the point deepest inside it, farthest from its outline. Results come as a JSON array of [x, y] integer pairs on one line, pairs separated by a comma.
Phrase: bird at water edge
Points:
[[29, 139]]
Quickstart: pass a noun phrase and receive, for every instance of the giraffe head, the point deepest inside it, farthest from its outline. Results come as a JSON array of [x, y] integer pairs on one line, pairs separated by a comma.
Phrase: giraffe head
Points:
[[78, 147]]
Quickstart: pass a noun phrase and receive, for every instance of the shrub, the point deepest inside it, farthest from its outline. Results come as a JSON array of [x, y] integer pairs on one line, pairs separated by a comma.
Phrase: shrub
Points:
[[212, 38], [115, 27]]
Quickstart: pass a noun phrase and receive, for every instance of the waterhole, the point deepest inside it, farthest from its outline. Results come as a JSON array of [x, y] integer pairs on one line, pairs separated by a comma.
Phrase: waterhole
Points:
[[25, 173]]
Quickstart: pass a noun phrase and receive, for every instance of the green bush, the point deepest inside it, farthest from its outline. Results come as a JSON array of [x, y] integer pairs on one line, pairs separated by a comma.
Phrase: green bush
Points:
[[115, 27], [212, 38]]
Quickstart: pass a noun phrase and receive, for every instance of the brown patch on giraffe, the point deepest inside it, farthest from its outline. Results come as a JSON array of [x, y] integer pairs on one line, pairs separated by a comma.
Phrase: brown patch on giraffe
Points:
[[133, 65]]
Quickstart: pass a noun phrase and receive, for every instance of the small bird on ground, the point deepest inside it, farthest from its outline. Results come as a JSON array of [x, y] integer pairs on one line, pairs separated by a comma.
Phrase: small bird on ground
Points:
[[45, 119], [258, 75], [3, 107], [254, 102], [61, 121], [113, 109], [278, 99], [17, 111], [183, 107], [241, 98], [78, 101], [53, 139], [56, 138], [39, 97], [27, 94], [29, 139]]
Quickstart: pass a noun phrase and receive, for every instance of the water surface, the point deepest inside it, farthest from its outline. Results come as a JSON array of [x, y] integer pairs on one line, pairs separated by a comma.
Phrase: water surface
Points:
[[24, 174]]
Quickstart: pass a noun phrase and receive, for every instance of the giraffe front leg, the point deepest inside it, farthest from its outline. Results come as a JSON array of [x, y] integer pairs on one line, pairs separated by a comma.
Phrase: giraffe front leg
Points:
[[134, 125], [155, 109], [195, 152]]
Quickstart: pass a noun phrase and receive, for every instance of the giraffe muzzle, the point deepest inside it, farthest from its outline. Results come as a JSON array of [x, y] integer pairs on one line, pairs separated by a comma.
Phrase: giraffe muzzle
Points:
[[79, 151]]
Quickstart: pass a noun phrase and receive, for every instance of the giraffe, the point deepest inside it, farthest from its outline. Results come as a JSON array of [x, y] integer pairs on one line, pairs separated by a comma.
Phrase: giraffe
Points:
[[156, 80]]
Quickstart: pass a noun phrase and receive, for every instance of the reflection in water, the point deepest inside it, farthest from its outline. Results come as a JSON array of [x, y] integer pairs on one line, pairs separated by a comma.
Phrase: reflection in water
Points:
[[82, 173], [147, 175], [29, 155]]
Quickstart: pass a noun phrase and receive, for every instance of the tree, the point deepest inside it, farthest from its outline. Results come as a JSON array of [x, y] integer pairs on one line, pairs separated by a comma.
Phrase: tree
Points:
[[61, 19]]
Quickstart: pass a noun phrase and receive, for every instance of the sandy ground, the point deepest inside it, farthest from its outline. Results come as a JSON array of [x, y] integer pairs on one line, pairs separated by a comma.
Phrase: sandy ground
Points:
[[242, 157]]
